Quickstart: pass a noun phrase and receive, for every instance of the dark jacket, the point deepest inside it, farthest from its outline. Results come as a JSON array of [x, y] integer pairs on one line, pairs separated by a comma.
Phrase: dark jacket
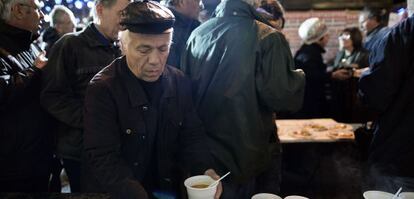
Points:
[[183, 26], [242, 71], [388, 87], [131, 143], [25, 143], [49, 37], [309, 59], [74, 60]]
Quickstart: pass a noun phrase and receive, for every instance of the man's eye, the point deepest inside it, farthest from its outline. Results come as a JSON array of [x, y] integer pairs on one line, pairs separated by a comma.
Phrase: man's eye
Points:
[[144, 50], [163, 49]]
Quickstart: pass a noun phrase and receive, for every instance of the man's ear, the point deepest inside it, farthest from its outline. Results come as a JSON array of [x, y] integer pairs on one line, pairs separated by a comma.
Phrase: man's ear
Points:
[[99, 9], [17, 11]]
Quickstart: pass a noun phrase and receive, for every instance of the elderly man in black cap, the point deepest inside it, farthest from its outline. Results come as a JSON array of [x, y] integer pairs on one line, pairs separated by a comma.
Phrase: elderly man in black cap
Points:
[[142, 135]]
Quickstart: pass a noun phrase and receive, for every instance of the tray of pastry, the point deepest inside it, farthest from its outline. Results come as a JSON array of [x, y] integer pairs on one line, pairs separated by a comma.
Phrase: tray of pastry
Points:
[[314, 130]]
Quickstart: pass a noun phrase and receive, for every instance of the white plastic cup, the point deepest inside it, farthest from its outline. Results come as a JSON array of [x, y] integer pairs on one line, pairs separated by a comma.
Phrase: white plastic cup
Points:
[[407, 195], [200, 193], [295, 197], [377, 195], [265, 196]]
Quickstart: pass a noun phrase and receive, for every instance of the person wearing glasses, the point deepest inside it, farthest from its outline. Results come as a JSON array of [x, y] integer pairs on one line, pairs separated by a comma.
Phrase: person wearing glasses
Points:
[[25, 145], [353, 57]]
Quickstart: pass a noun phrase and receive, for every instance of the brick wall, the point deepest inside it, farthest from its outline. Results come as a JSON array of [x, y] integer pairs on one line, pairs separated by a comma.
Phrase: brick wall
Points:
[[336, 21]]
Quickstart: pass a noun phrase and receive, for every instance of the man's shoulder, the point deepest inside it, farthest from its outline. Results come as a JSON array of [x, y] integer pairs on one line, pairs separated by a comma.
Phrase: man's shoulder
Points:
[[108, 75]]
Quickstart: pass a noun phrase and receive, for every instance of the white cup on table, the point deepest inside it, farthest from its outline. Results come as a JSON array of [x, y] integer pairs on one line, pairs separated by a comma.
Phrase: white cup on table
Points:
[[265, 196]]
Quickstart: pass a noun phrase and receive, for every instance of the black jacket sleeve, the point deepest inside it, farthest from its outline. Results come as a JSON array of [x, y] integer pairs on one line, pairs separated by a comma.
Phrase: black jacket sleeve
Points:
[[102, 145], [195, 153], [14, 85], [57, 95]]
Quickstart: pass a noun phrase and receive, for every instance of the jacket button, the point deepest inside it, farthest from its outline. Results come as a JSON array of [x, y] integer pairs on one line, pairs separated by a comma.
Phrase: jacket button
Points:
[[128, 131], [136, 164], [145, 108]]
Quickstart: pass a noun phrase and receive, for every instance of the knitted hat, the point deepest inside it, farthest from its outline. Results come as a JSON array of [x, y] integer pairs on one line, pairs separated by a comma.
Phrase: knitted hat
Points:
[[312, 30]]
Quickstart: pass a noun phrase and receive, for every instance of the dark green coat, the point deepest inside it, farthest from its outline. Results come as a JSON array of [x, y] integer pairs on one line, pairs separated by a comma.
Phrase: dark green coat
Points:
[[242, 72]]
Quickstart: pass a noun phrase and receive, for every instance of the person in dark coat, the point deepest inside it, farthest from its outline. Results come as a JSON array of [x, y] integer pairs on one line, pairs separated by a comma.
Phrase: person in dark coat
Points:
[[142, 134], [25, 142], [62, 21], [314, 34], [73, 61], [242, 72], [186, 20], [387, 87]]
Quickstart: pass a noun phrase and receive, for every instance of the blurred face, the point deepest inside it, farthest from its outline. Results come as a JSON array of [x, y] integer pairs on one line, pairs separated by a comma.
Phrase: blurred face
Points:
[[190, 8], [345, 41], [146, 54], [66, 25], [29, 15], [324, 40], [366, 24], [110, 18]]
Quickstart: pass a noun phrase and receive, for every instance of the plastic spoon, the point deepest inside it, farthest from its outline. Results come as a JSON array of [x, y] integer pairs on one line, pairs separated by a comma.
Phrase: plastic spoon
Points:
[[217, 181], [398, 193]]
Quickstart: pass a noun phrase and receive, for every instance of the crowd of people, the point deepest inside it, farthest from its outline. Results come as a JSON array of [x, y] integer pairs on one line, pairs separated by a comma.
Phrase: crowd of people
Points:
[[145, 95]]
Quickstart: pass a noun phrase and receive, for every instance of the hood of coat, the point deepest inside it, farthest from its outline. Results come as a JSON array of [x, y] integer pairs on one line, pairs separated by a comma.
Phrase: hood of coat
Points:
[[238, 8]]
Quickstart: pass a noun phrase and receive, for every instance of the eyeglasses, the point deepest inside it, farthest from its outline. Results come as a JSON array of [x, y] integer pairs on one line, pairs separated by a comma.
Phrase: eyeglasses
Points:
[[344, 36]]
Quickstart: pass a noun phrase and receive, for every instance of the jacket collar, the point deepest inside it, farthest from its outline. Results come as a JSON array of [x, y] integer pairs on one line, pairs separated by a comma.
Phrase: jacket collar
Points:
[[238, 8], [96, 38], [136, 93], [14, 38]]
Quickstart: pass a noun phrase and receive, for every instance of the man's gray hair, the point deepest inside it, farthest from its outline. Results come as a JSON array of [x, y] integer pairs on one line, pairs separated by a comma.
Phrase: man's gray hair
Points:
[[105, 3], [254, 3], [410, 7], [5, 7], [56, 15]]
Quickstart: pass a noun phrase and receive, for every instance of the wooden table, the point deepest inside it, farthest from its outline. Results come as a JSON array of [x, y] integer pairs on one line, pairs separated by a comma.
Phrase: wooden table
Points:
[[314, 130]]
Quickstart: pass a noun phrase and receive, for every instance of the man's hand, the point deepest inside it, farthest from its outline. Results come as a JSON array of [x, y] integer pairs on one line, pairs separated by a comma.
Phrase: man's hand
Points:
[[213, 174], [40, 61]]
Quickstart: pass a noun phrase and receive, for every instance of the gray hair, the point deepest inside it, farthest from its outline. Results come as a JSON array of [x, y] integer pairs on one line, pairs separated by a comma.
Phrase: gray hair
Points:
[[5, 7], [104, 3], [57, 14], [254, 3], [410, 7]]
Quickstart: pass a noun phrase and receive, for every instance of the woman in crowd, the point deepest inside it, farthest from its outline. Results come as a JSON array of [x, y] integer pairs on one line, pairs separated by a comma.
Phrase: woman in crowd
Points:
[[315, 36], [354, 58]]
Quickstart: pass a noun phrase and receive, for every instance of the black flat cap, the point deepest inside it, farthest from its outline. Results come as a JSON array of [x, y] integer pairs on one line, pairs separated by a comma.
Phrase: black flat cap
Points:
[[147, 17]]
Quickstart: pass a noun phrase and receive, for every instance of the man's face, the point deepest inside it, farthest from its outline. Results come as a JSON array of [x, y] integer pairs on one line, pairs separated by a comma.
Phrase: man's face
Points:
[[110, 18], [30, 14], [66, 25], [366, 24], [190, 8], [146, 54]]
